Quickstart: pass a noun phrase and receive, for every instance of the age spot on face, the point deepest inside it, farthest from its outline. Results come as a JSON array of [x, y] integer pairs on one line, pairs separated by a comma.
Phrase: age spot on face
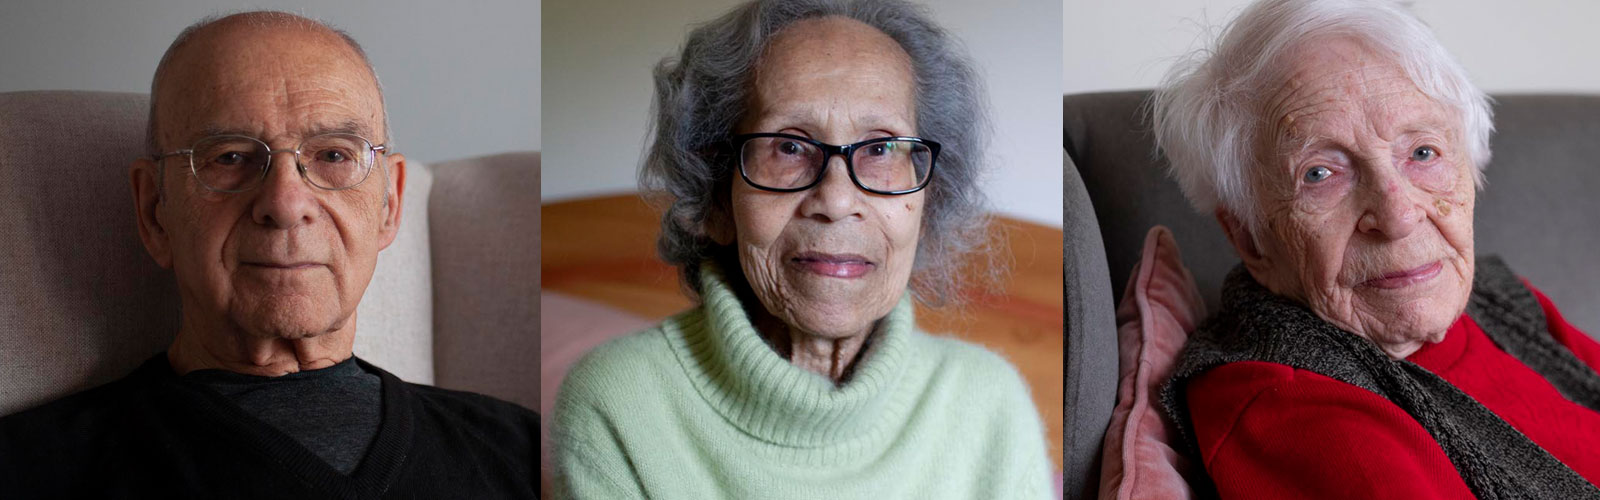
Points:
[[1442, 205]]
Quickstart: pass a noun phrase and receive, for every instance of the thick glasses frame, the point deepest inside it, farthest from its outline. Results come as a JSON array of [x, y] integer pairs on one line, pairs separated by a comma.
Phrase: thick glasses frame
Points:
[[828, 150], [381, 150]]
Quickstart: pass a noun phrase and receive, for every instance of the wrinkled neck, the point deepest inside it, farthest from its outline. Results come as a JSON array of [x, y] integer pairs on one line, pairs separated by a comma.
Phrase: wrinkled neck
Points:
[[834, 358], [235, 351]]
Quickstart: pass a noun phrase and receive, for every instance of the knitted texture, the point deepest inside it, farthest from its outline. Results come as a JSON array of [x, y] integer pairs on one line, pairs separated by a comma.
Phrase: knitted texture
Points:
[[700, 407], [1495, 460], [1510, 315]]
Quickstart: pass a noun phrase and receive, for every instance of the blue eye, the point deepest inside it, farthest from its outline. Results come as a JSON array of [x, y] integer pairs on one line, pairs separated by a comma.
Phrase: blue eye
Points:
[[1424, 153], [1318, 174]]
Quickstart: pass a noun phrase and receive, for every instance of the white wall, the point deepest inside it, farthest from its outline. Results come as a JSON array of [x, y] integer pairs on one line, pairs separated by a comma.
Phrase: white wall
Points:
[[1506, 46], [459, 82], [598, 91]]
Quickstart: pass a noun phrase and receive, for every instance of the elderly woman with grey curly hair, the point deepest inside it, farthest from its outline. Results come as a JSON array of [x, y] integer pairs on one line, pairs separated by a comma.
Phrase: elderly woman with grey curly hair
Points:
[[1362, 349], [820, 159]]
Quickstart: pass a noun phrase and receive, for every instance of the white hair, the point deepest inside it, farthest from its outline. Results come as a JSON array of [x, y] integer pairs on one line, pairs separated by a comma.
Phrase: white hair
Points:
[[1207, 109]]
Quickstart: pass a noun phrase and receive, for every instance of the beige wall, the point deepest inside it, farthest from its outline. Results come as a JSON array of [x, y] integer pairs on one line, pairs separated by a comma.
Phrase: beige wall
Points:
[[598, 91], [1507, 46]]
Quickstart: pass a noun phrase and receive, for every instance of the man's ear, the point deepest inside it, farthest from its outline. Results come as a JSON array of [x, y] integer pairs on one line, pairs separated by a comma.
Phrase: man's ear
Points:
[[144, 176], [393, 200], [1244, 243]]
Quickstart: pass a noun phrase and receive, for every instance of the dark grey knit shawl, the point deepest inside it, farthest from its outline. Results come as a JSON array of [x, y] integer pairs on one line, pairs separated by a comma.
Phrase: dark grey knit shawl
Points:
[[1495, 460]]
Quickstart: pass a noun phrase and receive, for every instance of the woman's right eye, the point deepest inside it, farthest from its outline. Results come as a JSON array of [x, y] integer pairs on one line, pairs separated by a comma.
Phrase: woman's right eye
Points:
[[789, 148]]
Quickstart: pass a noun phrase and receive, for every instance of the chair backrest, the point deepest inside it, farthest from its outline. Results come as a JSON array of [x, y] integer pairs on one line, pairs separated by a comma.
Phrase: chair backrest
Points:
[[484, 227], [82, 303], [394, 322], [1091, 341], [1537, 209]]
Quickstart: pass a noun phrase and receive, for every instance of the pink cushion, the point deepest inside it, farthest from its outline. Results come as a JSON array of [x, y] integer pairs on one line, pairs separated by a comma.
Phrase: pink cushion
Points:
[[1159, 308]]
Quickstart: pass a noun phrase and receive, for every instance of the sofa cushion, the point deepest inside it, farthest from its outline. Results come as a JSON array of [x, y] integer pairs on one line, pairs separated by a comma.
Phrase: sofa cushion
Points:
[[1542, 195], [484, 225], [81, 302], [1160, 307], [394, 322]]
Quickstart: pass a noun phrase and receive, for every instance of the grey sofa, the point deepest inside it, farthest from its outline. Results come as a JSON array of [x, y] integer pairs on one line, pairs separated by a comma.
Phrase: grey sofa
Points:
[[454, 301], [1540, 210]]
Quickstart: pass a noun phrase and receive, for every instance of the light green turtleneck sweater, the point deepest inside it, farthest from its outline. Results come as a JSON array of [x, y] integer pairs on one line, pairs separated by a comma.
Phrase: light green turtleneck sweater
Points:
[[701, 408]]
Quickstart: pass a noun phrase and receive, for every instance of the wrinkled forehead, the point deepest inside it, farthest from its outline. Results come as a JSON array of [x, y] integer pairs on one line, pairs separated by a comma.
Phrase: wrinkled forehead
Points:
[[833, 38], [808, 62], [1334, 86], [274, 83]]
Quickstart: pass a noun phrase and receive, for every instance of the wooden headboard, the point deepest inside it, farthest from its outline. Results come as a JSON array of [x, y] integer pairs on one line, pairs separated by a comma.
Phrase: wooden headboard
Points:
[[603, 249]]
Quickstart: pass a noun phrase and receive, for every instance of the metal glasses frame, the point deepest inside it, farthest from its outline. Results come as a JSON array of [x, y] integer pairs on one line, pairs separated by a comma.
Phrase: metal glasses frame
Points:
[[381, 150]]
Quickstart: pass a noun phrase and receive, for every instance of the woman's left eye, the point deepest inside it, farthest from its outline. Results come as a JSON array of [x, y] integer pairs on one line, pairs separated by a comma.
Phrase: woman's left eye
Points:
[[1424, 153], [1318, 174]]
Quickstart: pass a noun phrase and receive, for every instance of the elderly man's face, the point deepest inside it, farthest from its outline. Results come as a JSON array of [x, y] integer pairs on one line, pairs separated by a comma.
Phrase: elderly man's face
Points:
[[833, 259], [286, 259], [1368, 205]]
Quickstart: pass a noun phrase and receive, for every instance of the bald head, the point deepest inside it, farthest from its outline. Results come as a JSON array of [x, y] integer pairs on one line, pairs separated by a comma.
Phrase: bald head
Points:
[[217, 56]]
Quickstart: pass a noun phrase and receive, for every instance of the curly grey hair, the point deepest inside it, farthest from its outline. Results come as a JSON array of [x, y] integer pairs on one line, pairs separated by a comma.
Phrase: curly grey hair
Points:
[[703, 94], [1206, 111]]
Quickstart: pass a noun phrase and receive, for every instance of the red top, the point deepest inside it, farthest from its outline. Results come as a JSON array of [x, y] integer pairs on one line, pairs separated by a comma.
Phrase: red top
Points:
[[1270, 431]]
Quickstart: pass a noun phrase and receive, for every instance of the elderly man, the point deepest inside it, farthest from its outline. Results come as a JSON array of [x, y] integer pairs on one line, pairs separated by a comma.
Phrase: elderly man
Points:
[[1363, 350], [269, 192]]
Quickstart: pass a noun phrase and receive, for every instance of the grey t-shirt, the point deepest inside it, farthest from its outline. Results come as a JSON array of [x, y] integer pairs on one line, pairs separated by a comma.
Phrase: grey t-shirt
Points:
[[334, 412]]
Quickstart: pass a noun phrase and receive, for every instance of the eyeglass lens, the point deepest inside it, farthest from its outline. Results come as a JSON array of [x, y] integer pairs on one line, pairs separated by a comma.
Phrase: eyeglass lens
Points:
[[236, 163], [784, 163]]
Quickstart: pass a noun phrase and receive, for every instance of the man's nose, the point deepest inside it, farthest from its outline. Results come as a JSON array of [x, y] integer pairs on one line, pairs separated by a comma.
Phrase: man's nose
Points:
[[285, 199]]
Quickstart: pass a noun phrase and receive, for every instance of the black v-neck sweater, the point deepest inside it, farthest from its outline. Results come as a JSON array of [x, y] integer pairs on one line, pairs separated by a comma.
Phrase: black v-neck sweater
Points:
[[154, 434], [333, 411]]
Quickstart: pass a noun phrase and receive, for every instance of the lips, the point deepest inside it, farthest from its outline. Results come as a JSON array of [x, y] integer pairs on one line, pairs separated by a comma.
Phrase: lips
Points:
[[1408, 277], [833, 265], [285, 266]]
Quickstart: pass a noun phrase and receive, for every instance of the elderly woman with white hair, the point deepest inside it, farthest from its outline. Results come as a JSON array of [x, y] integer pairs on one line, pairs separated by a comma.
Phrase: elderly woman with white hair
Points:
[[819, 158], [1362, 350]]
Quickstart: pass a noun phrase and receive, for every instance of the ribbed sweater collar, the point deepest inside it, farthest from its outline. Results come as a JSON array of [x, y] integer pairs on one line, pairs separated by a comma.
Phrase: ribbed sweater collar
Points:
[[765, 396]]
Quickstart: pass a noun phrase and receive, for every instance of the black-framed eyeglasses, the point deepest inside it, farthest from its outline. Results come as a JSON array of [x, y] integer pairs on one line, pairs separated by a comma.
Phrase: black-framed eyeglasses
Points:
[[787, 163], [236, 163]]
